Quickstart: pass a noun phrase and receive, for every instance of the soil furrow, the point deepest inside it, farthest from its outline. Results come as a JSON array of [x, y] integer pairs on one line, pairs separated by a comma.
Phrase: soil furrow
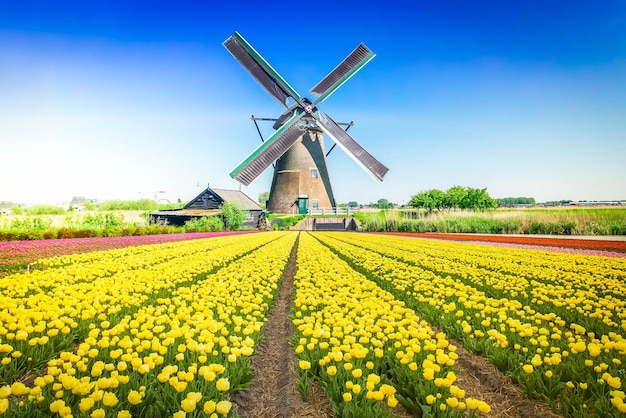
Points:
[[272, 393]]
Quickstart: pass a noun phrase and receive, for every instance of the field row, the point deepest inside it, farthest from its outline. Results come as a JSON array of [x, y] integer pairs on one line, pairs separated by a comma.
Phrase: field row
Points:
[[368, 349], [599, 243], [169, 329], [554, 322], [142, 331], [18, 254]]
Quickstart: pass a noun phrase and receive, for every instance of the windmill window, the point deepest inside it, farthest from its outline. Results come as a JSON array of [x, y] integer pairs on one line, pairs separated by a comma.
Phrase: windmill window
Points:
[[313, 173], [314, 204]]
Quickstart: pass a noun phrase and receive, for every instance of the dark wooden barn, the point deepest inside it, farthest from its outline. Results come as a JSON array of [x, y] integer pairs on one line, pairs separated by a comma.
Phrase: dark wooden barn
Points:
[[208, 203]]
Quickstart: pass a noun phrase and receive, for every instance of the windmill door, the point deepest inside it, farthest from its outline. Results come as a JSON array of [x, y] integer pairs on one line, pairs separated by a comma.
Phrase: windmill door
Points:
[[303, 205]]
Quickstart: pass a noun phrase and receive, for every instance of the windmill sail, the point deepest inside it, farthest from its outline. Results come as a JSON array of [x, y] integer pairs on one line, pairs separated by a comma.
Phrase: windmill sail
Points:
[[348, 67], [363, 158], [269, 151], [260, 69], [294, 178]]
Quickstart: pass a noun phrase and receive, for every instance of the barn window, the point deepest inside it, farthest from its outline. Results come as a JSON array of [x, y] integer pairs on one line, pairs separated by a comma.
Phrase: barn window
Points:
[[313, 173]]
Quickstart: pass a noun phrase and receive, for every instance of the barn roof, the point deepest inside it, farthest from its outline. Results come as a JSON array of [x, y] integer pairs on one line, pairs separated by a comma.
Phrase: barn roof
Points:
[[212, 198], [237, 196]]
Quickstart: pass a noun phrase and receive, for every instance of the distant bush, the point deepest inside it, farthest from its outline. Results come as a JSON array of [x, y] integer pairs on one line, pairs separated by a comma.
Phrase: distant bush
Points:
[[141, 204], [234, 215], [285, 223], [204, 224], [551, 228], [44, 210], [28, 224], [22, 233]]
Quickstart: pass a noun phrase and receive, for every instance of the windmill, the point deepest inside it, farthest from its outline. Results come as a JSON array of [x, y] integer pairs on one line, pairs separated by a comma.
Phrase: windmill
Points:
[[297, 143]]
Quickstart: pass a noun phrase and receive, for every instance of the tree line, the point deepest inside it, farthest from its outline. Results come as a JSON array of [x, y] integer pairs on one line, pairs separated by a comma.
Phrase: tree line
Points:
[[456, 197], [509, 201]]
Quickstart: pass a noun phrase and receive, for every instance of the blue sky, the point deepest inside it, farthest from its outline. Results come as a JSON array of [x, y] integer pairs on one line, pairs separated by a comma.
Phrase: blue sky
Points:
[[112, 99]]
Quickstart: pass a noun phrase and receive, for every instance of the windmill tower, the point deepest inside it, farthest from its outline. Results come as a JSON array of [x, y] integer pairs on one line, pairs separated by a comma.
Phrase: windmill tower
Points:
[[297, 144]]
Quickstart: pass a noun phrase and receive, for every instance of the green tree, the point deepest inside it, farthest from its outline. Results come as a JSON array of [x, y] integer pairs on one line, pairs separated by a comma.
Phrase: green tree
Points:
[[437, 197], [429, 199], [263, 198], [454, 196], [507, 201], [478, 199], [420, 200], [234, 215], [353, 204], [384, 204]]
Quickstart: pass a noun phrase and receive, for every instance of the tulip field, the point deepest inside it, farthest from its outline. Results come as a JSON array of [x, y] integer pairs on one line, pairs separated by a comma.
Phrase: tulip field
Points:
[[17, 254], [170, 329]]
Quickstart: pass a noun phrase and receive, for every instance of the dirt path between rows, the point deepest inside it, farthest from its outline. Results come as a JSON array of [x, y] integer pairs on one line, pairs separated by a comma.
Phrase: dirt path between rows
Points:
[[272, 393], [482, 380]]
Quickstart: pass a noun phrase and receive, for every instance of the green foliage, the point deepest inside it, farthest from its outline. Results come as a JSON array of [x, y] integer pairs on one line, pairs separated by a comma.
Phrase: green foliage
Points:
[[429, 200], [353, 204], [263, 198], [17, 210], [44, 210], [234, 215], [551, 228], [477, 199], [382, 204], [509, 201], [284, 223], [65, 232], [141, 204], [530, 221], [99, 220], [204, 224], [361, 217], [166, 206], [456, 197], [558, 202], [32, 223]]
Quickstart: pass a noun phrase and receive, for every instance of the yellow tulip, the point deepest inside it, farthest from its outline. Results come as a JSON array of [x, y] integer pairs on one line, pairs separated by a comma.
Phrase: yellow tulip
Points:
[[223, 407], [222, 384]]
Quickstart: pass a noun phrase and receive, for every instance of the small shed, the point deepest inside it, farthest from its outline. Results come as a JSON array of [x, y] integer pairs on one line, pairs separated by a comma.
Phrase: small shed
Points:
[[208, 203]]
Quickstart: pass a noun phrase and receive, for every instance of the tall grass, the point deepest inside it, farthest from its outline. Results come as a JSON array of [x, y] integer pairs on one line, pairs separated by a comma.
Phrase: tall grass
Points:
[[580, 221]]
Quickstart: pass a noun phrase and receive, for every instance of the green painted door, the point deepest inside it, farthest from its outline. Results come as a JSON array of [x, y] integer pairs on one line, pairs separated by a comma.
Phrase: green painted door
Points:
[[303, 205]]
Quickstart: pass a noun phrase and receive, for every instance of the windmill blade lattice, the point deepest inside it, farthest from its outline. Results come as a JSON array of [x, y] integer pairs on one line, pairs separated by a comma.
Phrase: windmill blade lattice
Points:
[[269, 151], [305, 118], [363, 158], [348, 67], [260, 69]]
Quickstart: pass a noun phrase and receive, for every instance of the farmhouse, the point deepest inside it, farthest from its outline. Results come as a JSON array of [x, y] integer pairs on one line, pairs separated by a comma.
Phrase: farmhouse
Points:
[[208, 203]]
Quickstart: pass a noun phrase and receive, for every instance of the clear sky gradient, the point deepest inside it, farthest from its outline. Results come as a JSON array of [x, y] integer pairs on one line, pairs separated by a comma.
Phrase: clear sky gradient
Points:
[[121, 99]]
